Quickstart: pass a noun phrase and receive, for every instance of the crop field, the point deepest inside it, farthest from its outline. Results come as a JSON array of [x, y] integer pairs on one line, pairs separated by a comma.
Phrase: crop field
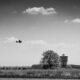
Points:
[[34, 79]]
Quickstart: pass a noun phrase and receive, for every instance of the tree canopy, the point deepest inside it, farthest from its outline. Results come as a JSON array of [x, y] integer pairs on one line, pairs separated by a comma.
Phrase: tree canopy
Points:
[[50, 59]]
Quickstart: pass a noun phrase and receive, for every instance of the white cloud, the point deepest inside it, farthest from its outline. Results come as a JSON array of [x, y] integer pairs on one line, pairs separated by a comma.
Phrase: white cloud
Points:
[[31, 43], [10, 39], [77, 20], [40, 10], [42, 42]]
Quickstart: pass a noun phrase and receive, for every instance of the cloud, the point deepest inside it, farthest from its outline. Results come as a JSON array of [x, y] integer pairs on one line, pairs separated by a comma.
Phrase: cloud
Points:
[[77, 20], [10, 39], [42, 42], [33, 44], [40, 10]]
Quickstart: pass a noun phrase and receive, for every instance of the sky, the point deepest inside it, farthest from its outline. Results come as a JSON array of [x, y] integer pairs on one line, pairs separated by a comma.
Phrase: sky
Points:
[[41, 25]]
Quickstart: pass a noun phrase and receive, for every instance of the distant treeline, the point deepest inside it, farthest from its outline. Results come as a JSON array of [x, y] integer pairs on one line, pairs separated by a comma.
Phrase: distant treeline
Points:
[[75, 66], [14, 68], [37, 66]]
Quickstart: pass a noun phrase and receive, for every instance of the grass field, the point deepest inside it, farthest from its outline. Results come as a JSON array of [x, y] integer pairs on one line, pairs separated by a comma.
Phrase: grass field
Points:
[[34, 79], [57, 74]]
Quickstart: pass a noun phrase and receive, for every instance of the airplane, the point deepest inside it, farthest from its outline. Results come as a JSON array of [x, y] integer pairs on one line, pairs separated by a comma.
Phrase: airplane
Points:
[[18, 41]]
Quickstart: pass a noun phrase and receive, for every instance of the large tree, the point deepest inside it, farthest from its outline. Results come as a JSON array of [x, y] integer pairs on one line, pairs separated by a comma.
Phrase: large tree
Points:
[[50, 59]]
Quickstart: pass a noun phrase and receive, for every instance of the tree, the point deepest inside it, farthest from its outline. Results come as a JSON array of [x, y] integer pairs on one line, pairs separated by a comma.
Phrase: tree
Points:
[[50, 59]]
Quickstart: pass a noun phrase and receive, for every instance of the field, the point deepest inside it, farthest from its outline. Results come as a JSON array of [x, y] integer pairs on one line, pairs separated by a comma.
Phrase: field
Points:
[[57, 74], [33, 79]]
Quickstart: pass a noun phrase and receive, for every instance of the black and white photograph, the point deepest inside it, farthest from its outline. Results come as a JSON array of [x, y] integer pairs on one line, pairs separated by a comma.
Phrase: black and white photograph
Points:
[[39, 39]]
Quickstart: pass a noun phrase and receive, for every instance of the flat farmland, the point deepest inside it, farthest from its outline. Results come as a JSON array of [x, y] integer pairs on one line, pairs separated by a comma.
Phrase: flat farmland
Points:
[[33, 79], [39, 74]]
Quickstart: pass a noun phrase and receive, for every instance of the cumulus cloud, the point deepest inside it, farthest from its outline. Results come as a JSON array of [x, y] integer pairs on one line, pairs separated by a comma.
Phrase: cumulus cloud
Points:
[[40, 10], [10, 39], [77, 20]]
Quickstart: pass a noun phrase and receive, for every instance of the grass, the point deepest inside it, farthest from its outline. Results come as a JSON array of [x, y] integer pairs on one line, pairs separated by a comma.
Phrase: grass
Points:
[[33, 79], [41, 73]]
